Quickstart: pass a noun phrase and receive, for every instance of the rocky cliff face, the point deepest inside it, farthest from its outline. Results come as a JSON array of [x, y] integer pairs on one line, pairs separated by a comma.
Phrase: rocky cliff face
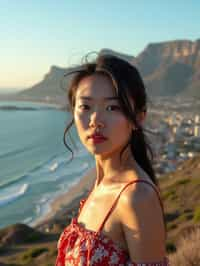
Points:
[[168, 69], [50, 85], [171, 68], [161, 54]]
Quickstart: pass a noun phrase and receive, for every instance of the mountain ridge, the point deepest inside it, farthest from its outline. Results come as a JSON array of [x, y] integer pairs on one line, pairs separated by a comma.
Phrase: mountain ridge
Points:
[[168, 69]]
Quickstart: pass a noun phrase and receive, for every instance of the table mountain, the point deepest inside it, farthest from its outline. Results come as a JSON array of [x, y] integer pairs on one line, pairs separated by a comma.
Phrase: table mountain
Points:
[[168, 69]]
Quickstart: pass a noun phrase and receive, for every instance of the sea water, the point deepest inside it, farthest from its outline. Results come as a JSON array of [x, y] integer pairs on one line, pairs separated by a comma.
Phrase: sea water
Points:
[[34, 166]]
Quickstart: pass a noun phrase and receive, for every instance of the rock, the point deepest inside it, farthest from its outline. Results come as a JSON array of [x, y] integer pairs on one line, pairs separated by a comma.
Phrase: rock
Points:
[[19, 233]]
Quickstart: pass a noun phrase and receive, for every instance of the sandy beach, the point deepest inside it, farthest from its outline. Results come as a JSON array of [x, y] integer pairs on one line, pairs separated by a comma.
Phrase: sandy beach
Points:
[[70, 198]]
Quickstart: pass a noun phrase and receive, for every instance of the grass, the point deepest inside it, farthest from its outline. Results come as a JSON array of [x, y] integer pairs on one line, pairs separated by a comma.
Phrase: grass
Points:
[[171, 226], [187, 253], [181, 198], [196, 218], [170, 194], [185, 217], [182, 181], [31, 254]]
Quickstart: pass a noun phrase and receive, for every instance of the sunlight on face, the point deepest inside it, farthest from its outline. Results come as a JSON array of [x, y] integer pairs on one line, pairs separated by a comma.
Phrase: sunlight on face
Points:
[[97, 105]]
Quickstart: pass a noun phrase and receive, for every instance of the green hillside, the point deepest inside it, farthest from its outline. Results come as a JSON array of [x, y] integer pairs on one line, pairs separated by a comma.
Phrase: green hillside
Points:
[[22, 245]]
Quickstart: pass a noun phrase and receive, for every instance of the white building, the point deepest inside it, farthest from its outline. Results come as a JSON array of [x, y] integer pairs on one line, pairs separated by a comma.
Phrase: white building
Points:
[[197, 131], [196, 119]]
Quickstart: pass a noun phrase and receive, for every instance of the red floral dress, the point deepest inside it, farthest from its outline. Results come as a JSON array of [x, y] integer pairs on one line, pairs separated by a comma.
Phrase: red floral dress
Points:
[[78, 246]]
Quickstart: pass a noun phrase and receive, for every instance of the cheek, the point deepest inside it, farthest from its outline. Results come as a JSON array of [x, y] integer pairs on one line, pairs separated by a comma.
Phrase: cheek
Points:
[[120, 121], [81, 122], [121, 128]]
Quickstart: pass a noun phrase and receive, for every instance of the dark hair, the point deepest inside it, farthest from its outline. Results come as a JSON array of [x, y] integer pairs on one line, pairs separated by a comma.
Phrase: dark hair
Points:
[[130, 89]]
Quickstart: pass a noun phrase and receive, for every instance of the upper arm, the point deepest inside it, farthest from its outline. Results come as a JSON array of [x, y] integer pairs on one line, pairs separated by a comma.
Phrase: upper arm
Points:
[[142, 223]]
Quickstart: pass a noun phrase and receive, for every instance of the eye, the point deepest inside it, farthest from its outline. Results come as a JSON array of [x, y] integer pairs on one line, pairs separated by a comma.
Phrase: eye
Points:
[[114, 106], [83, 105]]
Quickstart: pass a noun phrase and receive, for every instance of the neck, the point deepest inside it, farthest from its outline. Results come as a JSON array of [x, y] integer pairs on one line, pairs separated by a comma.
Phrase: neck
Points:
[[109, 168]]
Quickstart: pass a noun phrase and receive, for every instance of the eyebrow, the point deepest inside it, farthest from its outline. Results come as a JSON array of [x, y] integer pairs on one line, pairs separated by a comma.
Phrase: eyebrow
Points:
[[104, 98]]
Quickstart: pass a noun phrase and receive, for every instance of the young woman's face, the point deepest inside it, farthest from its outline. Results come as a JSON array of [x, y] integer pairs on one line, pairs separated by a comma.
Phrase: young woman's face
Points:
[[98, 112]]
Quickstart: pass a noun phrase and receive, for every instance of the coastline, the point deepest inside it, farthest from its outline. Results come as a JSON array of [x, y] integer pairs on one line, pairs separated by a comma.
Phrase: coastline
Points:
[[56, 105], [59, 103], [68, 199]]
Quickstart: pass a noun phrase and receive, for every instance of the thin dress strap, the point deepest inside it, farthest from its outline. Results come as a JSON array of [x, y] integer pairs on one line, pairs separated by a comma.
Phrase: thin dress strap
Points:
[[84, 200], [115, 201]]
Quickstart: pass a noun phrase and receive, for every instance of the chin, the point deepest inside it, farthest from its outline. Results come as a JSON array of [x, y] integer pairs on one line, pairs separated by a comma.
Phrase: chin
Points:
[[100, 152]]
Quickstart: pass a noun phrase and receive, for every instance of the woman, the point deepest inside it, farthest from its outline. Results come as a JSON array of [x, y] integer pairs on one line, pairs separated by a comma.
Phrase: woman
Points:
[[121, 222]]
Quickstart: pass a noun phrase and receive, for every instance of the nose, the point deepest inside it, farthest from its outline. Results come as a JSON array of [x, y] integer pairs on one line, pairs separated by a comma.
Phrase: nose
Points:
[[96, 120]]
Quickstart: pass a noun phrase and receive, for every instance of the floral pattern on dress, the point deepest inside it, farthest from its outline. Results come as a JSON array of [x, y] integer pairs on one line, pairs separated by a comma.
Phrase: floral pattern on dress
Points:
[[99, 253], [75, 242], [114, 259]]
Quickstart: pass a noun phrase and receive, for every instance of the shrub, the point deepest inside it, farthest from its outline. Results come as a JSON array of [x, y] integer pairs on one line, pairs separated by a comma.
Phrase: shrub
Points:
[[185, 217], [170, 247], [34, 237], [187, 250], [196, 217], [169, 194], [183, 181], [171, 226], [34, 252], [3, 249]]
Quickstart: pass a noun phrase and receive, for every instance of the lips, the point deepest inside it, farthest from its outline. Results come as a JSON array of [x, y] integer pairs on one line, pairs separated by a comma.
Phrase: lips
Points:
[[98, 137]]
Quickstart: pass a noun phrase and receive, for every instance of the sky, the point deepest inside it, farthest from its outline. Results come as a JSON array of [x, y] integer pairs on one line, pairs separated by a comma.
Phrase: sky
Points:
[[35, 34]]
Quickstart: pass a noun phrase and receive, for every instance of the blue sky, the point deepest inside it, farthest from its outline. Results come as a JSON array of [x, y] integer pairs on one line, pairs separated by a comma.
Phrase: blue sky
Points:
[[38, 34]]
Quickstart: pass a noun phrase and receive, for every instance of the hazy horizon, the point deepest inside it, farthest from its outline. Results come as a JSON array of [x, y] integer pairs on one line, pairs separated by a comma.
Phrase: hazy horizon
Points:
[[8, 90]]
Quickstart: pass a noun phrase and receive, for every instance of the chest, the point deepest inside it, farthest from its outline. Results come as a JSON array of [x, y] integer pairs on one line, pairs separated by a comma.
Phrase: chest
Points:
[[95, 214]]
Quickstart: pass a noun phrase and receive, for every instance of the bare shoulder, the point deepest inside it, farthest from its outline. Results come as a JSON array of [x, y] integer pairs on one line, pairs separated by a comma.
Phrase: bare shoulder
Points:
[[139, 191], [138, 195], [139, 199], [142, 222]]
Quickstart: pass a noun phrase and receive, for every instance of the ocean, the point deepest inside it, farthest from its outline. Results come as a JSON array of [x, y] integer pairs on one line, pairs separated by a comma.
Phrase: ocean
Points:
[[34, 166]]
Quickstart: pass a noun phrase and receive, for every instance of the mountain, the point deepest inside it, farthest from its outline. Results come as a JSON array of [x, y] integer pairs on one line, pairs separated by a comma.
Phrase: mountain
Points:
[[171, 68], [168, 68], [49, 89]]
